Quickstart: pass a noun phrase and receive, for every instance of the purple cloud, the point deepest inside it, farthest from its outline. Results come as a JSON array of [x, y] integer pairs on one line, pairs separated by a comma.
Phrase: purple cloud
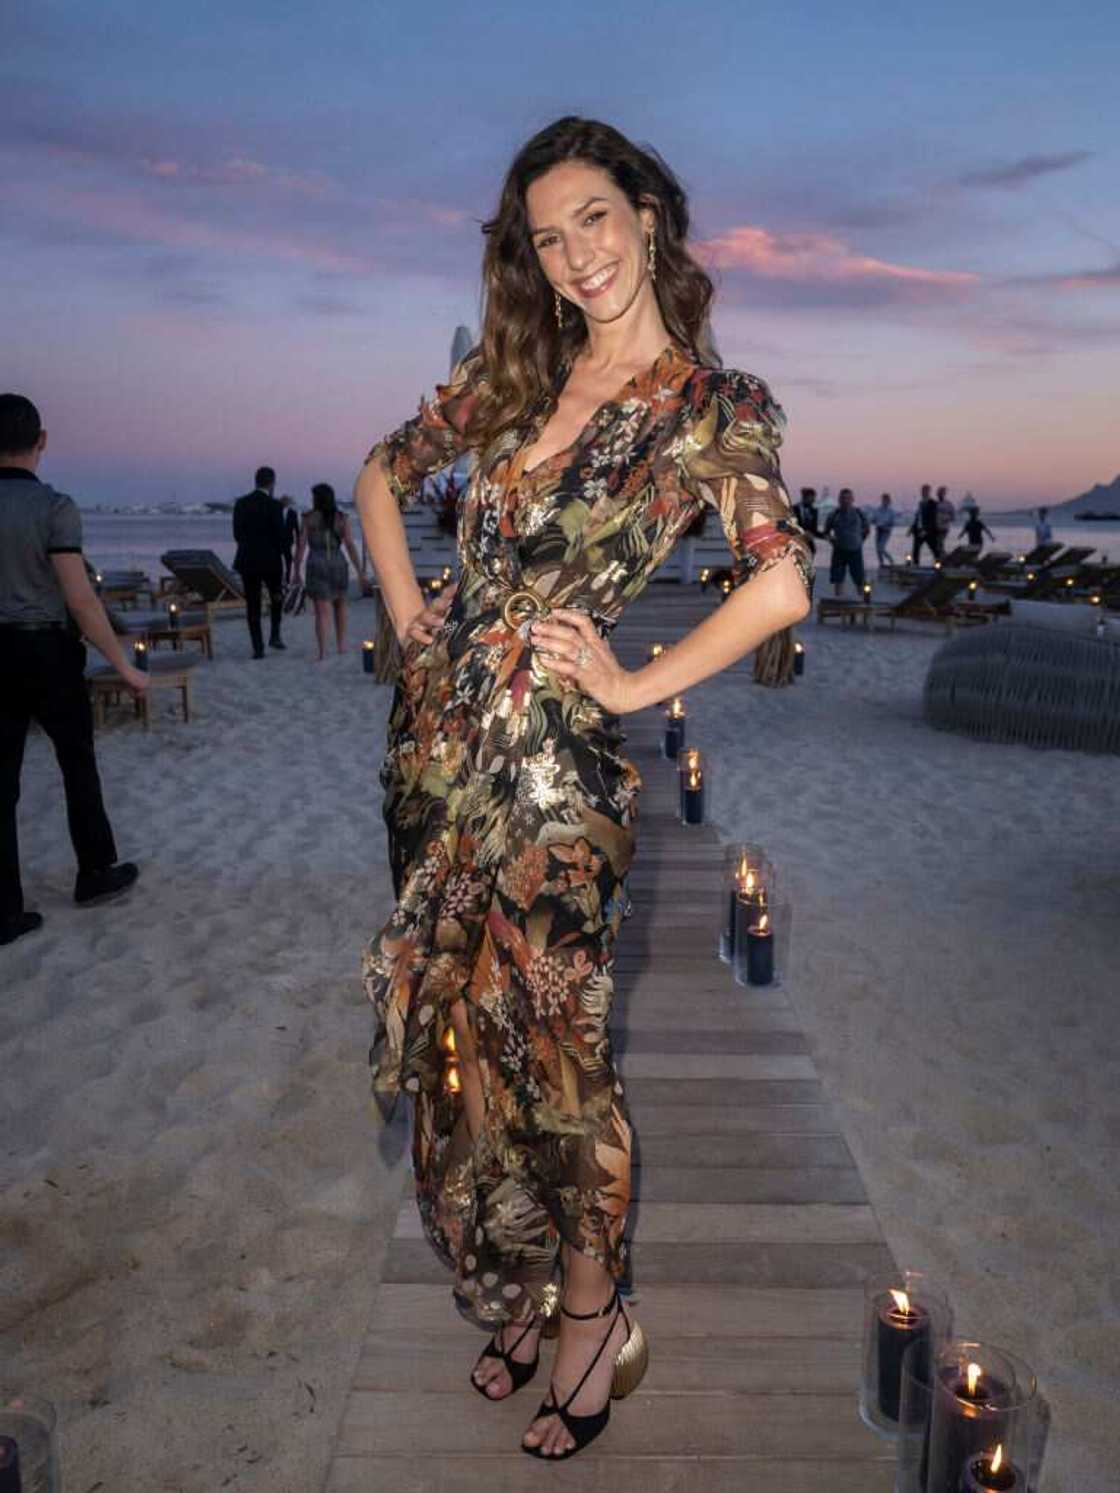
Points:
[[1026, 169]]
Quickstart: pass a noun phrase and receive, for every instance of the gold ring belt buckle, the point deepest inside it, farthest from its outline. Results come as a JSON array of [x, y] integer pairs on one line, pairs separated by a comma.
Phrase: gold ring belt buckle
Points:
[[521, 607]]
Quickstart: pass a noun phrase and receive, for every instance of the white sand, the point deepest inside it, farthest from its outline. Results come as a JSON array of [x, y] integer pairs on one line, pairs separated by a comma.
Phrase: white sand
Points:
[[193, 1204]]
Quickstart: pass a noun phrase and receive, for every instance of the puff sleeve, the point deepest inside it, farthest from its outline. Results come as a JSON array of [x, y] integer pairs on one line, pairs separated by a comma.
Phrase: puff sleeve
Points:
[[730, 462], [434, 437]]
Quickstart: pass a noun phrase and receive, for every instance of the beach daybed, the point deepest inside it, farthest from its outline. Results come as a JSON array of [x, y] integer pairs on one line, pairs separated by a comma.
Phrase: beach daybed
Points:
[[107, 687], [1031, 685], [201, 573]]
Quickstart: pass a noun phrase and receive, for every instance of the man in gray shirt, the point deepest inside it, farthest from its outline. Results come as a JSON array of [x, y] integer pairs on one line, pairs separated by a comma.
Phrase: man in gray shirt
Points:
[[847, 528], [46, 605]]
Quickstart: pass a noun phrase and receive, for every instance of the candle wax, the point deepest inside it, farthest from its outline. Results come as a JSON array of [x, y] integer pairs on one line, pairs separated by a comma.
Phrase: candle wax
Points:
[[760, 956]]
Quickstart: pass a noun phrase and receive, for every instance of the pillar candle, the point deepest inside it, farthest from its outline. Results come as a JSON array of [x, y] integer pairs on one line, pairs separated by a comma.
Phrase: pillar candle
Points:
[[760, 952], [900, 1323], [367, 656], [140, 655]]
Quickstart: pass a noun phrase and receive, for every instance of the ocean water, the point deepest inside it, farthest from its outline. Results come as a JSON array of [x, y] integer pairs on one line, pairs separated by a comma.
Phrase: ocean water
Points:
[[126, 541]]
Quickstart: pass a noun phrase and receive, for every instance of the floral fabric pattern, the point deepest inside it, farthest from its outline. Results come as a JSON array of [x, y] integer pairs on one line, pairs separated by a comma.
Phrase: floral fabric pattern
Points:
[[512, 810]]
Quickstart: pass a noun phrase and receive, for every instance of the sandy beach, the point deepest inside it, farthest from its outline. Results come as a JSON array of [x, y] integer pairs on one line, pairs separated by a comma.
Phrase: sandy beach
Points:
[[194, 1197]]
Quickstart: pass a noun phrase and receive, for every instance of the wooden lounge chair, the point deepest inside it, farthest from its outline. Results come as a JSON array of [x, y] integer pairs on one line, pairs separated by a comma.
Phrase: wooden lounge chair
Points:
[[962, 558], [989, 566], [201, 573], [1041, 555], [124, 587], [935, 600]]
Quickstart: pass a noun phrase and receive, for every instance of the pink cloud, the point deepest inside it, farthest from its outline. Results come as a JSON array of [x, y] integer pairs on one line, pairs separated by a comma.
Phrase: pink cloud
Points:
[[814, 258], [239, 171], [129, 218]]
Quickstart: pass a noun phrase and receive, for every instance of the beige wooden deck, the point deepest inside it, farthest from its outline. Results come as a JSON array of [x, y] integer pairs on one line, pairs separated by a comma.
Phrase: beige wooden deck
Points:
[[752, 1232]]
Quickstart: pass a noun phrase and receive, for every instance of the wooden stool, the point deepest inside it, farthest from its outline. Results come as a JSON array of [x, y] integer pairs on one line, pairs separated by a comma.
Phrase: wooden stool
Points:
[[106, 686]]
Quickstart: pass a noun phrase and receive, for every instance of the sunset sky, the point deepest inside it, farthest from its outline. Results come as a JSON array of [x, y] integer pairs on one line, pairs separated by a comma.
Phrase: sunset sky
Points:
[[245, 232]]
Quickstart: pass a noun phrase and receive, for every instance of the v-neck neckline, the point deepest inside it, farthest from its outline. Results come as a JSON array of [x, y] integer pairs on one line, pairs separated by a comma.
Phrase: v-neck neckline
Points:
[[668, 352]]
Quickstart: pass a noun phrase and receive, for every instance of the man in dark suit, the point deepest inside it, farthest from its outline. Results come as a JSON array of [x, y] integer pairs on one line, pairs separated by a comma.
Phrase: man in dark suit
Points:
[[258, 528]]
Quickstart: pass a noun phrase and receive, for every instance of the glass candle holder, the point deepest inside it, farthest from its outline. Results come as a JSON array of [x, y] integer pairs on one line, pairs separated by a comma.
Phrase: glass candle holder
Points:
[[140, 655], [694, 787], [900, 1311], [744, 866], [983, 1403], [912, 1432], [799, 659], [173, 616], [27, 1436], [367, 656]]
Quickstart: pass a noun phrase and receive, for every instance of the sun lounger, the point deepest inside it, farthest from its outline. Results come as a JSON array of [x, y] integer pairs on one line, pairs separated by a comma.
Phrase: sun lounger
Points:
[[124, 587], [935, 600], [962, 558], [1041, 555], [989, 566], [200, 573]]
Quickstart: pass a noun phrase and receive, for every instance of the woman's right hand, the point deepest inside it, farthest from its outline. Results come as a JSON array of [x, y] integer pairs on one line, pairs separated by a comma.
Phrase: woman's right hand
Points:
[[423, 626]]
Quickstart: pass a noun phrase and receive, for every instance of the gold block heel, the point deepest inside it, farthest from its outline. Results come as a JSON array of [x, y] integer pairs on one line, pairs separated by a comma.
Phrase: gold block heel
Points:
[[631, 1364]]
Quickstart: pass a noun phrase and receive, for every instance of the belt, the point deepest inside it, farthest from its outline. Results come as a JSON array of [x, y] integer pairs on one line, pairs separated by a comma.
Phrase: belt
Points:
[[34, 626], [520, 606]]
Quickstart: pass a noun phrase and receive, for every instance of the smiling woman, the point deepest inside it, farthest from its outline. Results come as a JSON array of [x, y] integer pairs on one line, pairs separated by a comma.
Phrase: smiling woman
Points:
[[600, 433]]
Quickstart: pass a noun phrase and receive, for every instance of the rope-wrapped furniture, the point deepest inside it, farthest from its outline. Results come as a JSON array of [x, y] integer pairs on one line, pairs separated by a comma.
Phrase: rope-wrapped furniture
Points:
[[1029, 685]]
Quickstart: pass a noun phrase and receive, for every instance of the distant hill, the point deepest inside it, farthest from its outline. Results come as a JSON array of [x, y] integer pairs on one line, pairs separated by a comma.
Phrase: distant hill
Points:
[[1103, 498]]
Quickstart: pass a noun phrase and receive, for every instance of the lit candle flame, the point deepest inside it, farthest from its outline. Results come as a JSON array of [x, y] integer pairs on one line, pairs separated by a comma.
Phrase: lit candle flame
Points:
[[902, 1301], [368, 645], [763, 923], [454, 1082], [1095, 599], [448, 1042], [799, 647], [676, 709], [694, 779], [692, 758], [997, 1457], [705, 574], [141, 648], [974, 1371], [748, 880]]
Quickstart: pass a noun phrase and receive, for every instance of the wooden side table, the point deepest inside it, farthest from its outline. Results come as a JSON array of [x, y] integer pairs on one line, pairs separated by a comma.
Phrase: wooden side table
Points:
[[186, 632], [106, 686]]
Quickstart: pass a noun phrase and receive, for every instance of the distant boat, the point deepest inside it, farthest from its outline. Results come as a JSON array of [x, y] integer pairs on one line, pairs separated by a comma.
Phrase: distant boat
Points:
[[1097, 518]]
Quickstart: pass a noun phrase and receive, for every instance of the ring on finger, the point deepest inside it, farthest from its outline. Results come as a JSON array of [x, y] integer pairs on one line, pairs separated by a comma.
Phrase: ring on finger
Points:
[[583, 656]]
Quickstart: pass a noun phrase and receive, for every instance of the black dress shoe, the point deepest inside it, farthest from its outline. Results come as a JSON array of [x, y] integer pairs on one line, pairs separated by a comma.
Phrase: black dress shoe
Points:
[[103, 886], [13, 928], [276, 643], [258, 652]]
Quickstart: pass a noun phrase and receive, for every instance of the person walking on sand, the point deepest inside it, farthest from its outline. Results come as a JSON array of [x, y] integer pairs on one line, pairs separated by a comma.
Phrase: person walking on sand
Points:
[[975, 528], [258, 528], [884, 519], [924, 527], [944, 519], [847, 528], [600, 429], [325, 536], [1043, 533], [291, 535], [47, 605]]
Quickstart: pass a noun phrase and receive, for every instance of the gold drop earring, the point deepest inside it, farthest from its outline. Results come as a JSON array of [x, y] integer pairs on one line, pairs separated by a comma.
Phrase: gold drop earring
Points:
[[559, 307], [651, 255]]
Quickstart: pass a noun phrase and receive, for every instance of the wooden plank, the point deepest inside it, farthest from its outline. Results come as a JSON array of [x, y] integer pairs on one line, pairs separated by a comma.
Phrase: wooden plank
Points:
[[799, 1266], [632, 1040], [431, 1363], [597, 1470], [701, 1120], [762, 1425], [748, 1184], [731, 1092], [728, 1223], [758, 1149], [679, 1309], [717, 1065]]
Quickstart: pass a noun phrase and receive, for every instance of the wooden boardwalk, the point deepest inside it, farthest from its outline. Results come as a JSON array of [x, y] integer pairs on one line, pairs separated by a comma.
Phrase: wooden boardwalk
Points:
[[752, 1232]]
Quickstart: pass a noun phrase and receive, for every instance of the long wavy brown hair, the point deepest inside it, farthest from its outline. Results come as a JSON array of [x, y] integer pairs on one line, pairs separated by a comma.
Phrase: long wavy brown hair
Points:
[[522, 348]]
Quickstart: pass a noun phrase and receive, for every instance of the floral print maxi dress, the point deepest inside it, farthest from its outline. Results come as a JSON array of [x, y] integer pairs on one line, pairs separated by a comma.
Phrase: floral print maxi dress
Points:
[[511, 810]]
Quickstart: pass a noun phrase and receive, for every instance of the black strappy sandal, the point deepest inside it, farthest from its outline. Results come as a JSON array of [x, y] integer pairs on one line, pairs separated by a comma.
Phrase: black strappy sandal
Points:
[[630, 1365], [519, 1373]]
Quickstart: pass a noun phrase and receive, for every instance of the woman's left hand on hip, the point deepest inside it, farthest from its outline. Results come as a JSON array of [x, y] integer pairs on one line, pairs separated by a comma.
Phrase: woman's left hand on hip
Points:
[[568, 645]]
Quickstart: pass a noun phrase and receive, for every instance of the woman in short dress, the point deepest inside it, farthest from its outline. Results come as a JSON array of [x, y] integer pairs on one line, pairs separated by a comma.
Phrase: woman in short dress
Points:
[[599, 434], [325, 536]]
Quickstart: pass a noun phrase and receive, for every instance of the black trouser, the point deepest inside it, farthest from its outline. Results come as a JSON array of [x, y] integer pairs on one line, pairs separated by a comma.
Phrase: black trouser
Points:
[[42, 679], [919, 540], [253, 580]]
